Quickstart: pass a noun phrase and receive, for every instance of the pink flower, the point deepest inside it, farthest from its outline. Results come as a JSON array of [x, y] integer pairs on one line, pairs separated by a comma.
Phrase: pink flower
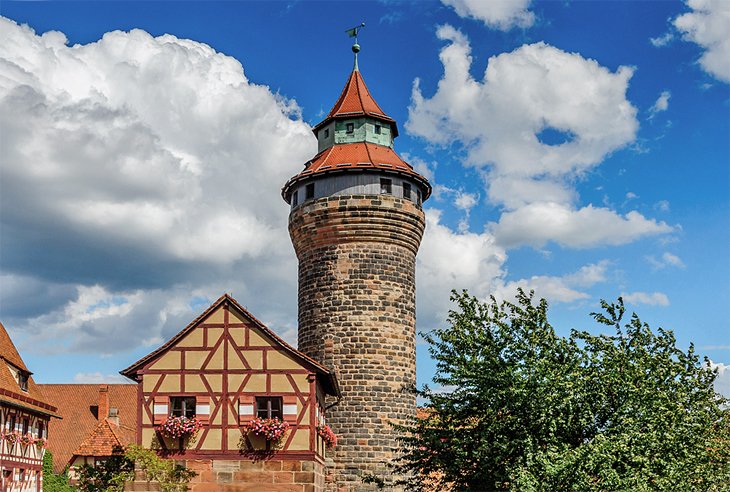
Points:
[[327, 435], [270, 429], [180, 426]]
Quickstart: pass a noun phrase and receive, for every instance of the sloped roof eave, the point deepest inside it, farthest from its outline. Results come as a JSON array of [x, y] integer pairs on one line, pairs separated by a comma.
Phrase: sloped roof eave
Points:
[[131, 371]]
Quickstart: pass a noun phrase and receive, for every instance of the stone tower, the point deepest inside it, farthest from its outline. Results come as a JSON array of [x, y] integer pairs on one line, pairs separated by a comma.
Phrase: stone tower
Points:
[[356, 223]]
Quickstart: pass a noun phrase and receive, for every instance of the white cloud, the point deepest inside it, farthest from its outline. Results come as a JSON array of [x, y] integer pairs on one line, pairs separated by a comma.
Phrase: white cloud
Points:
[[708, 25], [99, 378], [524, 92], [499, 121], [497, 14], [662, 40], [667, 259], [146, 141], [453, 260], [650, 298], [537, 223], [661, 104], [134, 170], [465, 201], [557, 288], [662, 206], [722, 383]]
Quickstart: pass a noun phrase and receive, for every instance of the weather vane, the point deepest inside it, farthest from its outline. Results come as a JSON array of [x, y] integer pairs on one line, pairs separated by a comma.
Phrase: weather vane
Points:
[[353, 34]]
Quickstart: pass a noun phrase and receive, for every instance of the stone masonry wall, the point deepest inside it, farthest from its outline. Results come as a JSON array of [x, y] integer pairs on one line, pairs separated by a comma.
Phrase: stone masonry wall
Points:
[[247, 476], [357, 315]]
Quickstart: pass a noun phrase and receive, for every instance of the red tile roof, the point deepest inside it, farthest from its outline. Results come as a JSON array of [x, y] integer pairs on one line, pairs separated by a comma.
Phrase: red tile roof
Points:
[[327, 377], [78, 405], [10, 392], [361, 156], [105, 439], [355, 100], [8, 350]]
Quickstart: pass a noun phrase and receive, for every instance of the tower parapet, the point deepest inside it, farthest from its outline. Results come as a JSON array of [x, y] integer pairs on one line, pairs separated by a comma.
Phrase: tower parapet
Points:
[[356, 223]]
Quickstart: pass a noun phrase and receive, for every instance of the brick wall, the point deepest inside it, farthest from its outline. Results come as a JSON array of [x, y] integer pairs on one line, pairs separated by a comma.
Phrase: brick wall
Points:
[[357, 315]]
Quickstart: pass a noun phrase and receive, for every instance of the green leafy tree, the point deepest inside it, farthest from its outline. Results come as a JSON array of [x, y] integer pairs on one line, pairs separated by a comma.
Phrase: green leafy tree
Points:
[[171, 476], [54, 482], [107, 475], [521, 408]]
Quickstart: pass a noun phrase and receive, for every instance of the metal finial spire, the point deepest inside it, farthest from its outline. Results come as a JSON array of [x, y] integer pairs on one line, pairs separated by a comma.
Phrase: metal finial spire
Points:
[[355, 47]]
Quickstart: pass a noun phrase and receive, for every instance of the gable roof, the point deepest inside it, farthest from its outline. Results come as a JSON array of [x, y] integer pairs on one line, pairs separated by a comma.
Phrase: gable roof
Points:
[[10, 392], [355, 100], [328, 378], [8, 352], [78, 405], [105, 439]]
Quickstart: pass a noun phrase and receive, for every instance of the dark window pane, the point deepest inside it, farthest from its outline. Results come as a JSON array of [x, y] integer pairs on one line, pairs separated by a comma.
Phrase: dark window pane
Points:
[[182, 406], [406, 191], [377, 129], [386, 186], [350, 127], [295, 198], [309, 192], [269, 407]]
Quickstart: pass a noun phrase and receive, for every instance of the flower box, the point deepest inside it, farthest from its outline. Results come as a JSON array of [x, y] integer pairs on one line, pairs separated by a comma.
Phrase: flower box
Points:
[[327, 435], [180, 427], [272, 430]]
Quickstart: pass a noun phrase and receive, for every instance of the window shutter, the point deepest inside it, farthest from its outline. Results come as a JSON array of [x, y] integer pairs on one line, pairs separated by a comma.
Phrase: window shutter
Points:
[[202, 408], [290, 409], [246, 409], [161, 409]]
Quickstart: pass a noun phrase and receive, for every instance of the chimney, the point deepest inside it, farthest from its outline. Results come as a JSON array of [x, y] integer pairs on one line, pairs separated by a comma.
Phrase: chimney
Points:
[[103, 402]]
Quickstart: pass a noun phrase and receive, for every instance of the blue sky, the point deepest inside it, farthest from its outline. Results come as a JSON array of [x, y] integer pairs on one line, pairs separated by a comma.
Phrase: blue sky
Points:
[[578, 148]]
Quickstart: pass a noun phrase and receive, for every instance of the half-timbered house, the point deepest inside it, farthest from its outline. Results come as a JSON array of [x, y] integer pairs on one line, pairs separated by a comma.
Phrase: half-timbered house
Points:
[[225, 369], [24, 417]]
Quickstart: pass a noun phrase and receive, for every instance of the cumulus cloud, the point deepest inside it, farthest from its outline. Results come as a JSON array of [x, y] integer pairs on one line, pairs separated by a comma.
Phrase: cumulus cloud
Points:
[[540, 222], [134, 170], [563, 288], [650, 298], [496, 14], [453, 260], [501, 121], [708, 25]]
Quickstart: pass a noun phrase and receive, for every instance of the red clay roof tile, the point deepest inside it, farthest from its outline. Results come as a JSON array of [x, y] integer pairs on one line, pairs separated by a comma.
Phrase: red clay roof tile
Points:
[[355, 100], [10, 392], [104, 440], [358, 156], [78, 405]]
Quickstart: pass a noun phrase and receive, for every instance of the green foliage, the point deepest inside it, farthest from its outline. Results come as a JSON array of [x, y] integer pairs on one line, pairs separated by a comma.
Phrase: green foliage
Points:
[[521, 408], [108, 475], [53, 482], [171, 476]]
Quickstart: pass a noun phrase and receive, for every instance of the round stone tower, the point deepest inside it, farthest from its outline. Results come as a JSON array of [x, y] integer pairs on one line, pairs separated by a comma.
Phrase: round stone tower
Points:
[[356, 223]]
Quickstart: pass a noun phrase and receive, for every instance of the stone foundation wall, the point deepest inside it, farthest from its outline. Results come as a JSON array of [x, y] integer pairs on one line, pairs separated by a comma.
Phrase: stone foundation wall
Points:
[[248, 476], [357, 314]]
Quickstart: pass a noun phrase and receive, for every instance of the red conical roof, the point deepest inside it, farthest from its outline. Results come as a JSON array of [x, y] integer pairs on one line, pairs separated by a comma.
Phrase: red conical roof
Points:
[[355, 100]]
